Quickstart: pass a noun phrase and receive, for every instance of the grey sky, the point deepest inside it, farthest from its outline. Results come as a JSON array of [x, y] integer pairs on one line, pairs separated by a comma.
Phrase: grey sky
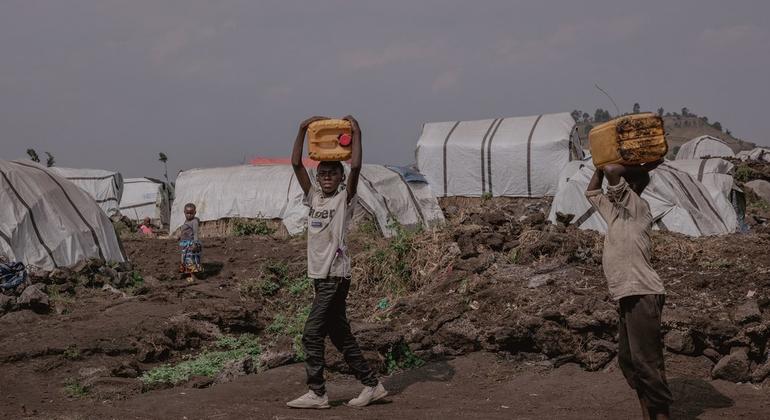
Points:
[[109, 84]]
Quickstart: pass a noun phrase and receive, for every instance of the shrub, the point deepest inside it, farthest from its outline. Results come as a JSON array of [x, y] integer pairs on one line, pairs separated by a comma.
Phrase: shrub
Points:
[[248, 227]]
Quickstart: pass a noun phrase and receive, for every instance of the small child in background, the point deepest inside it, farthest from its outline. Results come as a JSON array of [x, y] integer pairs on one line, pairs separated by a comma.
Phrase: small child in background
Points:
[[146, 227], [189, 244]]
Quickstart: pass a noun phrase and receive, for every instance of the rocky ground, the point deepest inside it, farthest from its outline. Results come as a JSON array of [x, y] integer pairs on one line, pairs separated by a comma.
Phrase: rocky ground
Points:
[[485, 316]]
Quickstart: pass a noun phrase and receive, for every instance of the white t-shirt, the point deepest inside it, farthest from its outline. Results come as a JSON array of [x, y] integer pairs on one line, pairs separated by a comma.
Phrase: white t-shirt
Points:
[[327, 225]]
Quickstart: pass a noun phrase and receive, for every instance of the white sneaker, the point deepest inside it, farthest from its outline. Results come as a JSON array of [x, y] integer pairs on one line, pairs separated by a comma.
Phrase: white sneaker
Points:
[[310, 400], [369, 395]]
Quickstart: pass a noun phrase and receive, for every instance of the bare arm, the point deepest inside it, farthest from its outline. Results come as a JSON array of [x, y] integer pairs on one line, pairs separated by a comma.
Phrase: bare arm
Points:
[[636, 175], [355, 162], [296, 155], [596, 180]]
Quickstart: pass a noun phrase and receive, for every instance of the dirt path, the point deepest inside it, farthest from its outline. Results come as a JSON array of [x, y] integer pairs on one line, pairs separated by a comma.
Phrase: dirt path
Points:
[[475, 386]]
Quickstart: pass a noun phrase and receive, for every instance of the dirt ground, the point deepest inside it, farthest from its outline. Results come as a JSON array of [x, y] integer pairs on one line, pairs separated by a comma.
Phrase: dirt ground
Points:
[[509, 315]]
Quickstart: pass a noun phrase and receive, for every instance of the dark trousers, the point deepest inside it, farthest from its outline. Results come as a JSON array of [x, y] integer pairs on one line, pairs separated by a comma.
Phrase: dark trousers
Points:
[[640, 349], [327, 317]]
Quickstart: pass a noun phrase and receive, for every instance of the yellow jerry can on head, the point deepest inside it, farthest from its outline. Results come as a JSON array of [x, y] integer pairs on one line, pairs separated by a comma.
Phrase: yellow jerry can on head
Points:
[[628, 140], [329, 140]]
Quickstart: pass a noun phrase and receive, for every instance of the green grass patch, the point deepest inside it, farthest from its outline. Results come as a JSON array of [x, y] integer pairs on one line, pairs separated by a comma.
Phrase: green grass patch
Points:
[[74, 389], [248, 227], [743, 173], [274, 275], [300, 285], [72, 353], [208, 363], [401, 357]]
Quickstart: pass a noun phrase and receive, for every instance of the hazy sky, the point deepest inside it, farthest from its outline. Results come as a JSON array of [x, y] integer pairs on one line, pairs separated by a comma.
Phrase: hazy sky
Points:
[[109, 84]]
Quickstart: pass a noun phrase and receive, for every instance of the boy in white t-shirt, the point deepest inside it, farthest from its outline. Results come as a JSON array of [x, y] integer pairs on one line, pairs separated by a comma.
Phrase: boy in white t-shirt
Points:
[[328, 264]]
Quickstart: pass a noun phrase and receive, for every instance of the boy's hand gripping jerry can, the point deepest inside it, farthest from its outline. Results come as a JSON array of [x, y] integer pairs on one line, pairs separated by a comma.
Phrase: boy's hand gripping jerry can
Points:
[[329, 140], [628, 140]]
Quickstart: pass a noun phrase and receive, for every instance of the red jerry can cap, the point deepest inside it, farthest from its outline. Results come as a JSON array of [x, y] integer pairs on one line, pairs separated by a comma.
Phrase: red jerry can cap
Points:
[[345, 140]]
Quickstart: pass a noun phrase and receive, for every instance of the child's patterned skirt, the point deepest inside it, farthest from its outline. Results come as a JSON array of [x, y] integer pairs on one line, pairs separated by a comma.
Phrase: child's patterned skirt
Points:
[[191, 257]]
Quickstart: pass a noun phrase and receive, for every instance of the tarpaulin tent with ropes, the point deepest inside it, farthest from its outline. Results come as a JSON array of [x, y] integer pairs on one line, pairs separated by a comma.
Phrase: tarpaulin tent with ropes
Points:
[[512, 157], [147, 197], [758, 154], [48, 222], [678, 202], [271, 191], [704, 146], [106, 187]]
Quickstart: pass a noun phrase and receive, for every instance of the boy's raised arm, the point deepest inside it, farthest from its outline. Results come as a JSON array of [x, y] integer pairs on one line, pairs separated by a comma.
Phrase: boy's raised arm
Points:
[[596, 180], [296, 155], [355, 161]]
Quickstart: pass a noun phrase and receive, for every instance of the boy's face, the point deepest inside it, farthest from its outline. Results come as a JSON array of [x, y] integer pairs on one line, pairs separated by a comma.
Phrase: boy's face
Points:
[[329, 178], [189, 213]]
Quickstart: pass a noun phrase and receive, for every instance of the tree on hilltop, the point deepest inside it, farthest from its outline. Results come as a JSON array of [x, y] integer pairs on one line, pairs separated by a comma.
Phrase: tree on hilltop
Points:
[[33, 155]]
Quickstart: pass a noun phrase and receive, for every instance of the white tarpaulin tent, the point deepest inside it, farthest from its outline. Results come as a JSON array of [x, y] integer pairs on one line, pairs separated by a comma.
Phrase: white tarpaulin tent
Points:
[[146, 197], [513, 157], [715, 173], [678, 202], [46, 221], [704, 146], [272, 192], [758, 154], [106, 187]]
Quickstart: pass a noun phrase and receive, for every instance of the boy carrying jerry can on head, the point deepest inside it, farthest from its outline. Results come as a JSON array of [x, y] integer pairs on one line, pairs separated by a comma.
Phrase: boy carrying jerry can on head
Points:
[[328, 264]]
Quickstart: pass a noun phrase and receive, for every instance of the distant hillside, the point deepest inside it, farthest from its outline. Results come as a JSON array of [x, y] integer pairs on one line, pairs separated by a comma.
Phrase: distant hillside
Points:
[[682, 129], [679, 130]]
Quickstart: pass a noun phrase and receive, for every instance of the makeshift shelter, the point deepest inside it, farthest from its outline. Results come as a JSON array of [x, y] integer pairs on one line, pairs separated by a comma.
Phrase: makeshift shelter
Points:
[[704, 146], [106, 187], [678, 202], [716, 174], [272, 192], [513, 157], [146, 197], [48, 222], [759, 154]]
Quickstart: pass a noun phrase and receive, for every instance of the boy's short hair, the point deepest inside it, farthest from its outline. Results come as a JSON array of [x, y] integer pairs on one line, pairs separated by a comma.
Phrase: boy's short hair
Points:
[[189, 206], [332, 164]]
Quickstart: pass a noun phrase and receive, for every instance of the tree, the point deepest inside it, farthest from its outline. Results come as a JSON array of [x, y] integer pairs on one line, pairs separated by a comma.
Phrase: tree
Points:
[[728, 132], [637, 108], [576, 115], [33, 155], [50, 161], [717, 125], [685, 112], [660, 111], [601, 115], [586, 117], [163, 158]]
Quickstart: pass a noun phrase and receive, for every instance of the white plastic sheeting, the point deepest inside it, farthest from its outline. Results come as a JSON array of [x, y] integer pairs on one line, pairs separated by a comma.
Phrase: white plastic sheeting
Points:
[[47, 221], [678, 202], [106, 187], [146, 197], [704, 146], [759, 154], [714, 173], [272, 192], [513, 157]]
